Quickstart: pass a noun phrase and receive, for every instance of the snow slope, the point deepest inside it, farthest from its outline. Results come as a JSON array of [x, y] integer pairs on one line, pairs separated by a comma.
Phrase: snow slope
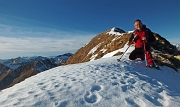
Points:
[[99, 83]]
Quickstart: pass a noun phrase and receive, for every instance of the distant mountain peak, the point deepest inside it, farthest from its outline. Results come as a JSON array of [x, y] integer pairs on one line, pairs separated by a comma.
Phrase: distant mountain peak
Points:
[[177, 45]]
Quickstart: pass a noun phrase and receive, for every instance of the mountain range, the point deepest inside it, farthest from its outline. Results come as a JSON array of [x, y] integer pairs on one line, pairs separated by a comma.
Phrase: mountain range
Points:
[[15, 70]]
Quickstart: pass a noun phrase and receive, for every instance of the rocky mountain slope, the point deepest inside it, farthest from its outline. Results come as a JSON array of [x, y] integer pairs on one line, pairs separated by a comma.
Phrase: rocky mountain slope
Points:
[[13, 71], [164, 53]]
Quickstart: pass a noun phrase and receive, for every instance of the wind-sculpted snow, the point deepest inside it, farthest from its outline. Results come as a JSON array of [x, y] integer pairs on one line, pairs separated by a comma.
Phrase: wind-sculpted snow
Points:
[[100, 83]]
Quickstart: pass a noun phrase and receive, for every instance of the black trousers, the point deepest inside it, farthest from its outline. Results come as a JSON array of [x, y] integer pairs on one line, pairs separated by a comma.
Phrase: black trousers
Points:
[[138, 51]]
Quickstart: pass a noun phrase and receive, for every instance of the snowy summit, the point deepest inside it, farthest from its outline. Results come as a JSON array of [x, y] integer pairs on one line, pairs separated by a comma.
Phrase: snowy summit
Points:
[[116, 31], [98, 83]]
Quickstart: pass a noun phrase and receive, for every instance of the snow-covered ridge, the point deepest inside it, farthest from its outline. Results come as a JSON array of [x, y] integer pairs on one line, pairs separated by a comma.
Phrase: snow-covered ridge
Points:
[[100, 83], [116, 31], [130, 31]]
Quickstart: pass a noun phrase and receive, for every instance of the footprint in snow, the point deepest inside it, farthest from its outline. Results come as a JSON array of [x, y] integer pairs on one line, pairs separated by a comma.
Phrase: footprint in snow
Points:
[[63, 104], [40, 83], [93, 96], [115, 83], [113, 77], [96, 88], [132, 81], [122, 82], [90, 98], [43, 88], [30, 92], [154, 99], [127, 88], [124, 88], [125, 77], [119, 75], [73, 79], [131, 102]]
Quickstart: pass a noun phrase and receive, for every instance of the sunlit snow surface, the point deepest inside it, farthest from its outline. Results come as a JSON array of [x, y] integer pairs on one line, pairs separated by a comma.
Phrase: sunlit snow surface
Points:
[[100, 83]]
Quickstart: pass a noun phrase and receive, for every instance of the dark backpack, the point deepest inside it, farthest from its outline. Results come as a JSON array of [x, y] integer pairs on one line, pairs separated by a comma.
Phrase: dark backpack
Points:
[[150, 36]]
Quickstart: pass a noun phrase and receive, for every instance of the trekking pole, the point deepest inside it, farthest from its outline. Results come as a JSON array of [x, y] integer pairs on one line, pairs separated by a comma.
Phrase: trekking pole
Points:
[[125, 51], [123, 54], [156, 66], [145, 53]]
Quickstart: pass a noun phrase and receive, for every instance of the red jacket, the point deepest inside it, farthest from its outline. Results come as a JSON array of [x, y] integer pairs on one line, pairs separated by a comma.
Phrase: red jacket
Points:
[[145, 32], [138, 40]]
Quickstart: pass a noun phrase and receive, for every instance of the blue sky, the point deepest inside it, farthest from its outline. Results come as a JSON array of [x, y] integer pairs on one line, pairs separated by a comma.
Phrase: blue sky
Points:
[[53, 27]]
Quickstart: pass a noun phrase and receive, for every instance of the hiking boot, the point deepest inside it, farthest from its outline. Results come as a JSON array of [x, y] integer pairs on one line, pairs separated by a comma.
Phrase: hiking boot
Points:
[[151, 66]]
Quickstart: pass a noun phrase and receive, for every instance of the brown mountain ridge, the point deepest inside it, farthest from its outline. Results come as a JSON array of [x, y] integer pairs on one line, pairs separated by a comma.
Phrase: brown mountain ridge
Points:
[[163, 51]]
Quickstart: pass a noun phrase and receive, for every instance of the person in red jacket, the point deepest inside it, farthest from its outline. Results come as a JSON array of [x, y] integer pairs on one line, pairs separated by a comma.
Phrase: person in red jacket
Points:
[[142, 36]]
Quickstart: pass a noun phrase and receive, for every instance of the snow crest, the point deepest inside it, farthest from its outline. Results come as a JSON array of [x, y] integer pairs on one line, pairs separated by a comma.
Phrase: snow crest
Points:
[[99, 83], [116, 31]]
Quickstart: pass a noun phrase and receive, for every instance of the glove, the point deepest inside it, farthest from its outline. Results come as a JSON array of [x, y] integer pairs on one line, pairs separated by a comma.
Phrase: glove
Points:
[[143, 38], [135, 37]]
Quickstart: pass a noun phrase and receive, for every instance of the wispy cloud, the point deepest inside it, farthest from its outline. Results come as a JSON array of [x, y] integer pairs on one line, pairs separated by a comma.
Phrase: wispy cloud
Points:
[[11, 47], [16, 41]]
